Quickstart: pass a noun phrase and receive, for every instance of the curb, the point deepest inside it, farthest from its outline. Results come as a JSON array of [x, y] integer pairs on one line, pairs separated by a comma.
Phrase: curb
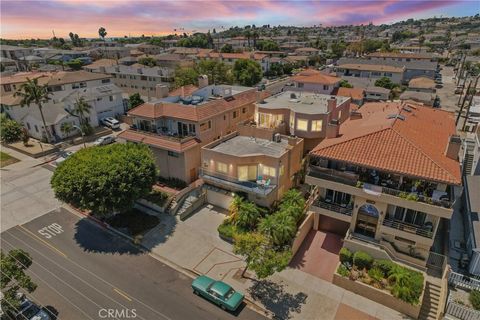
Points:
[[185, 271]]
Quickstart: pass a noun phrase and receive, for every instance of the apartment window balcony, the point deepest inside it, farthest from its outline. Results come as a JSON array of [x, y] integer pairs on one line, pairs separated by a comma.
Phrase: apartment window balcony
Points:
[[424, 231], [233, 183], [164, 135], [327, 204], [374, 181]]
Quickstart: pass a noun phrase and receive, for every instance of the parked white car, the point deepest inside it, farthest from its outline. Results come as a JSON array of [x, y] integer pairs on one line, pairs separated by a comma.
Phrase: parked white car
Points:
[[110, 122], [102, 141], [63, 156]]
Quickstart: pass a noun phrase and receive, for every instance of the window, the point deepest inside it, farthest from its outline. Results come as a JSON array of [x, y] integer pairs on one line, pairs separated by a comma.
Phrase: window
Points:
[[173, 154], [28, 126], [338, 197], [75, 85], [325, 87], [281, 171], [105, 80], [206, 125], [247, 173], [376, 74], [235, 114], [317, 125], [191, 128], [302, 124], [340, 114], [7, 87], [388, 74], [300, 85], [144, 78], [269, 171], [410, 216], [110, 98], [222, 167], [36, 128], [244, 110], [83, 84]]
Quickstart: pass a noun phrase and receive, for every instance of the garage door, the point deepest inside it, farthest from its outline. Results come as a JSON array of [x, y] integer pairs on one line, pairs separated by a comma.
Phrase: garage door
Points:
[[333, 225], [219, 199]]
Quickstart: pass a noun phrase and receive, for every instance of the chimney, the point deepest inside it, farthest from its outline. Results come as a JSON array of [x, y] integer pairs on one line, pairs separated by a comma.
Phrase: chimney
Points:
[[102, 69], [183, 92], [331, 104], [354, 115], [333, 129], [453, 147], [161, 91], [202, 81]]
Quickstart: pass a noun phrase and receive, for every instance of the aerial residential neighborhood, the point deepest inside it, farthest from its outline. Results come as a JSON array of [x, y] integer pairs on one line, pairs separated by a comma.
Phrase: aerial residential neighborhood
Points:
[[240, 160]]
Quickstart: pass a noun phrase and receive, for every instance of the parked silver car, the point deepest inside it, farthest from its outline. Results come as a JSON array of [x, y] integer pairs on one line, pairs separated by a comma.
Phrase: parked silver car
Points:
[[110, 122], [102, 141]]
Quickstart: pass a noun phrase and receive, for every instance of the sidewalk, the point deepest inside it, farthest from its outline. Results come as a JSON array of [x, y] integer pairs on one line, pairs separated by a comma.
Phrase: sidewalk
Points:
[[291, 294]]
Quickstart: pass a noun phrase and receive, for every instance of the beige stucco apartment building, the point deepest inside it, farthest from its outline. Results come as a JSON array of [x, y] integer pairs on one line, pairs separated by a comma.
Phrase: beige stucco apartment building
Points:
[[176, 127], [388, 181]]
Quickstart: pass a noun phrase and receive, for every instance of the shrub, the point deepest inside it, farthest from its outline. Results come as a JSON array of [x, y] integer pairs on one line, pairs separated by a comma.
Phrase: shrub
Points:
[[376, 274], [11, 130], [384, 265], [343, 271], [157, 197], [345, 255], [407, 284], [475, 299], [226, 229], [362, 260]]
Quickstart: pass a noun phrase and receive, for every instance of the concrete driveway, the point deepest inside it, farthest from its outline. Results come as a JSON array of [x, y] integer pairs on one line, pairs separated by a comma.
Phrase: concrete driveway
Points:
[[25, 191]]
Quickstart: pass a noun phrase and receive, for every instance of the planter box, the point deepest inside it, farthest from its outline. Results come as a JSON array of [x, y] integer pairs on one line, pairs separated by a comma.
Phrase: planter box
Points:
[[380, 296]]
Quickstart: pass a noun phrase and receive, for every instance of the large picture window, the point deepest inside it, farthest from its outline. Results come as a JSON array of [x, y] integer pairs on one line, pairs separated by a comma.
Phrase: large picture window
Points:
[[247, 173], [269, 171], [222, 167], [302, 124], [317, 125]]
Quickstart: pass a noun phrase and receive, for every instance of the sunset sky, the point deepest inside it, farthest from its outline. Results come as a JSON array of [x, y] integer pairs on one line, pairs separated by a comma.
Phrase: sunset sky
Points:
[[37, 18]]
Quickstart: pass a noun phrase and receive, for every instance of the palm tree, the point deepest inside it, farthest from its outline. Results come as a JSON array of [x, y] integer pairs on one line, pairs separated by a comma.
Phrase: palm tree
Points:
[[234, 207], [33, 93], [102, 32], [268, 225], [248, 215], [285, 228], [81, 108], [248, 35], [66, 128]]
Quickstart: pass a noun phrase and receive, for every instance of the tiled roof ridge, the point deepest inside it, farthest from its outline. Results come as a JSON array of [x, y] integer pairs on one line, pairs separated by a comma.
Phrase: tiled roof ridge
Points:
[[422, 152], [352, 139]]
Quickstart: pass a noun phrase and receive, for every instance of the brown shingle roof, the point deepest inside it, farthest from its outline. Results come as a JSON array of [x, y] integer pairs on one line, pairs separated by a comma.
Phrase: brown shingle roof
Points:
[[313, 76], [422, 83], [354, 93], [371, 67], [414, 146]]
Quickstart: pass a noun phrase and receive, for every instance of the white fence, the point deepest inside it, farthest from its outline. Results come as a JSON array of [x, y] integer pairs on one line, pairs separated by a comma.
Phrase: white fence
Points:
[[463, 281], [461, 312]]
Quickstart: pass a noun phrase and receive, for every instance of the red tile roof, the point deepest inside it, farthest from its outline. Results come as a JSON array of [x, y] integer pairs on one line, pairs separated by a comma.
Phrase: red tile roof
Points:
[[314, 76], [194, 113], [354, 93], [242, 55], [159, 141], [413, 147]]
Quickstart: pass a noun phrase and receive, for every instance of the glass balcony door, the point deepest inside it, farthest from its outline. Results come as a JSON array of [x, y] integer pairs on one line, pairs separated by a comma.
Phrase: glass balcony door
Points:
[[367, 220], [247, 173]]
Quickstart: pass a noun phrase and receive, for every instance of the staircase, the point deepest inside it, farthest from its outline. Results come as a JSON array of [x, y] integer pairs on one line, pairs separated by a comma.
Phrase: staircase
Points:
[[430, 302], [187, 204]]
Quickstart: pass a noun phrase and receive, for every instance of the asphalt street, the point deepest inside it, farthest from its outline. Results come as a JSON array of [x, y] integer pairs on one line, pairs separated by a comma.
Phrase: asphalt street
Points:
[[86, 272]]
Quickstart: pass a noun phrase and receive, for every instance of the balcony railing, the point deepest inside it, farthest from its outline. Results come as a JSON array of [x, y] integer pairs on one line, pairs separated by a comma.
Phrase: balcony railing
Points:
[[395, 224], [321, 203], [354, 179], [163, 135], [233, 182]]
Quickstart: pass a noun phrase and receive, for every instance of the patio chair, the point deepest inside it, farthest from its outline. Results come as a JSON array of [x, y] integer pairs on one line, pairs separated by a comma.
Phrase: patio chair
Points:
[[267, 183]]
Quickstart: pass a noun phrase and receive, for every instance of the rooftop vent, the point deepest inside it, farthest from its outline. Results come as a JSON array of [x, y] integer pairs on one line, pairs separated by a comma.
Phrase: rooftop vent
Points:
[[293, 96], [407, 109], [396, 116], [229, 98]]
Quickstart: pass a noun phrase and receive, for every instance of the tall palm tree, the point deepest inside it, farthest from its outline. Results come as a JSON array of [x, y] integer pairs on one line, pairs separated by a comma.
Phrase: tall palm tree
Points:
[[234, 207], [248, 215], [81, 108], [31, 92], [66, 128], [248, 35], [285, 228]]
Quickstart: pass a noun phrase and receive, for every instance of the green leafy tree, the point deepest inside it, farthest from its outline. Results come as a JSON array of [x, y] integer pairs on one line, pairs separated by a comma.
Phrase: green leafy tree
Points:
[[13, 278], [66, 128], [385, 82], [217, 72], [185, 76], [105, 179], [74, 64], [267, 45], [338, 48], [148, 61], [247, 72], [135, 100], [345, 84], [235, 207], [280, 227], [228, 48], [11, 131], [31, 92], [259, 254]]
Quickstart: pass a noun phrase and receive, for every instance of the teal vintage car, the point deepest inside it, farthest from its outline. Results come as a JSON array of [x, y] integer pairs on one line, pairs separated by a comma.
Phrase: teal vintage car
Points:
[[218, 292]]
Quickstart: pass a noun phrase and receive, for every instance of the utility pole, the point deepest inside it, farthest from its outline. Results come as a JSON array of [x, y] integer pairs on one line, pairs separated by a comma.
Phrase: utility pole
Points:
[[463, 103], [463, 88], [461, 69], [470, 104]]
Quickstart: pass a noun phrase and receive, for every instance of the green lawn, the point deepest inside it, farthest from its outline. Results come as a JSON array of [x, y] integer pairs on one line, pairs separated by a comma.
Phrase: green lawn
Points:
[[6, 159]]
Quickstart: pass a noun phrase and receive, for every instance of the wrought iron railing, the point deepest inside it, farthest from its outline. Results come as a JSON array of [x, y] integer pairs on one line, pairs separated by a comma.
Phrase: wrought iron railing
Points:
[[321, 203], [395, 224]]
